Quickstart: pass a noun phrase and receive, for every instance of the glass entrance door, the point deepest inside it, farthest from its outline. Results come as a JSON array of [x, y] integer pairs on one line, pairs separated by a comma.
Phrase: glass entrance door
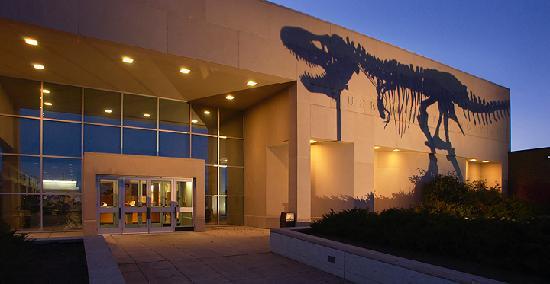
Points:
[[144, 205]]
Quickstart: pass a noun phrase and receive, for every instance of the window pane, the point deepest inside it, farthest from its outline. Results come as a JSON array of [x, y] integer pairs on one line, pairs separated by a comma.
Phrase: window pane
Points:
[[140, 111], [101, 139], [204, 119], [211, 180], [19, 135], [211, 210], [140, 142], [231, 123], [20, 211], [231, 181], [231, 152], [62, 102], [173, 115], [205, 148], [173, 145], [19, 96], [62, 175], [101, 107], [62, 212], [19, 174], [62, 138]]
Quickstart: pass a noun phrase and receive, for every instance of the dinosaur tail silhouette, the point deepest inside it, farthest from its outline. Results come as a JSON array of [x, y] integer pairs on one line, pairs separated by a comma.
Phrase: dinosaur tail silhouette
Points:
[[483, 112]]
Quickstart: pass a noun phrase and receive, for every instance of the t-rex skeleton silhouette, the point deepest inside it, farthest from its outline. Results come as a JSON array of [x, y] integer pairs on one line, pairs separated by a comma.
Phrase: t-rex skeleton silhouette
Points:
[[404, 92]]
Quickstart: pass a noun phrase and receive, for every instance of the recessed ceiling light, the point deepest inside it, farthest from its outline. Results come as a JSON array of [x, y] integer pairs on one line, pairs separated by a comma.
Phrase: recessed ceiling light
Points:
[[207, 112], [376, 147], [194, 121], [229, 97], [48, 104], [311, 141], [30, 41], [473, 160], [251, 83], [107, 110], [184, 70], [485, 161], [127, 59], [147, 115], [396, 150], [45, 91], [223, 137], [39, 66]]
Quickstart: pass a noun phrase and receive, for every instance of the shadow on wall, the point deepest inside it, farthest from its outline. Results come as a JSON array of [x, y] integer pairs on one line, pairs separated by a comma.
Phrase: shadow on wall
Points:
[[396, 200], [324, 204]]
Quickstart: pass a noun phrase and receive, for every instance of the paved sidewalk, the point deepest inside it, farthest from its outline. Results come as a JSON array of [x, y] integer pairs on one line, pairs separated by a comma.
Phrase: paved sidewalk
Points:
[[219, 255]]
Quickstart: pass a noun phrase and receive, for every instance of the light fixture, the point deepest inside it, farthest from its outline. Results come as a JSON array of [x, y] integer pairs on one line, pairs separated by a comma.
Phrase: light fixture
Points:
[[127, 59], [207, 112], [311, 141], [45, 91], [147, 115], [38, 66], [229, 97], [30, 41], [473, 160], [223, 137], [48, 104], [376, 147], [107, 110], [194, 121], [485, 161], [396, 150], [251, 83], [184, 70]]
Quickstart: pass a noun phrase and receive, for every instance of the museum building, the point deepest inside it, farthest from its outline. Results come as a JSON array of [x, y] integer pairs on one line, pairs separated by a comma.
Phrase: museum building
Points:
[[145, 116]]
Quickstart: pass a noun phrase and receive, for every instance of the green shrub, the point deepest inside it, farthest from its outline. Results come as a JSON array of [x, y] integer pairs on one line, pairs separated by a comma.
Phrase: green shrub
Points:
[[517, 246], [450, 195]]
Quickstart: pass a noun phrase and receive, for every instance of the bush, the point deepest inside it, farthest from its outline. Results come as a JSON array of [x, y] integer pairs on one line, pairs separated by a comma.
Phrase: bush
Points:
[[516, 246], [450, 195]]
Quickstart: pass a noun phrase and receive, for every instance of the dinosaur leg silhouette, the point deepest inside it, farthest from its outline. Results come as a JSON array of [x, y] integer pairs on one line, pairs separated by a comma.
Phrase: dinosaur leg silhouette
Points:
[[451, 156], [423, 122]]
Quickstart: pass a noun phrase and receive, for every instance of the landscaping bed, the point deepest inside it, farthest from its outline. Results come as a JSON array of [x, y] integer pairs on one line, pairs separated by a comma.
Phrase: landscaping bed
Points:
[[41, 262]]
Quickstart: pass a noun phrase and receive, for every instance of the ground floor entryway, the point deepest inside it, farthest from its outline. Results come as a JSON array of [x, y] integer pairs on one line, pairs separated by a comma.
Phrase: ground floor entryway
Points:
[[218, 255], [144, 204]]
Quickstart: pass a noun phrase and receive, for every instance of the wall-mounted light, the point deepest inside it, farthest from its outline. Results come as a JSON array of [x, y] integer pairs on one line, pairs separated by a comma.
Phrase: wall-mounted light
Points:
[[38, 66], [184, 70], [311, 141], [146, 115], [194, 121], [396, 150], [229, 97], [127, 59], [31, 41], [251, 83], [473, 160], [376, 147], [108, 110], [485, 161], [48, 104]]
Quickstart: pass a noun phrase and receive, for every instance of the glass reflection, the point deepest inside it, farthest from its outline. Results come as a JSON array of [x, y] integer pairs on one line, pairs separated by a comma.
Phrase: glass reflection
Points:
[[231, 181], [231, 152], [173, 115], [139, 142], [204, 119], [211, 210], [62, 175], [19, 135], [101, 107], [20, 211], [211, 180], [206, 148], [62, 212], [231, 123], [140, 111], [19, 96], [108, 193], [104, 139], [62, 138], [19, 174], [173, 145], [62, 102]]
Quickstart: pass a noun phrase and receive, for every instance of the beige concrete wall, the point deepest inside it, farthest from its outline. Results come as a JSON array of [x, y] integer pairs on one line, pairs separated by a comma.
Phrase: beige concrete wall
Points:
[[332, 178], [491, 173], [132, 165], [266, 135]]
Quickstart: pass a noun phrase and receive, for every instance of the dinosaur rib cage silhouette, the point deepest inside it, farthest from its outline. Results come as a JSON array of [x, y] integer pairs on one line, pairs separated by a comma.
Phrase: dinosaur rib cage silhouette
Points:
[[403, 92]]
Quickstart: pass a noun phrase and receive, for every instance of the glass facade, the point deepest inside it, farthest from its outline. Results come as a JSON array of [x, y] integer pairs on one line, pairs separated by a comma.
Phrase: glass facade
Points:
[[41, 151]]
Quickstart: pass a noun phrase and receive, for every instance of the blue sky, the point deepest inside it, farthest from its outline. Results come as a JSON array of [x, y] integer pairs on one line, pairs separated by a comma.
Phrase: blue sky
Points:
[[503, 41]]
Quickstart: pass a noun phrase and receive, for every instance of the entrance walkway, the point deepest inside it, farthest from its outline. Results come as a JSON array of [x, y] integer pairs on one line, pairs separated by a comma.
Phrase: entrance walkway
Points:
[[219, 255]]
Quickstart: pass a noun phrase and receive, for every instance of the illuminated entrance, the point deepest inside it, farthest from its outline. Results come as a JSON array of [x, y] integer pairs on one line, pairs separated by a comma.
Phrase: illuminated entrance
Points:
[[144, 204]]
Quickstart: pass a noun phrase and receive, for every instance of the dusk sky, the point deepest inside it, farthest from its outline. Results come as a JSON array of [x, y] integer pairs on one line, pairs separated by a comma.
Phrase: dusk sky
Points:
[[504, 41]]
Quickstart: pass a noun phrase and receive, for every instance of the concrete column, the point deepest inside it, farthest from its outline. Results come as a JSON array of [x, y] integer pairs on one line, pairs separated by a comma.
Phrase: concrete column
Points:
[[299, 196]]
